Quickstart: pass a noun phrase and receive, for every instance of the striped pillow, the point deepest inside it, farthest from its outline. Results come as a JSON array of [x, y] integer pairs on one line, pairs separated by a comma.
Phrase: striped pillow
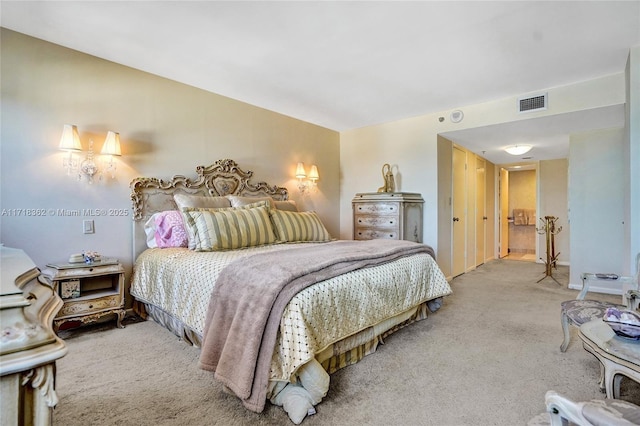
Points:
[[228, 229], [190, 224], [298, 226]]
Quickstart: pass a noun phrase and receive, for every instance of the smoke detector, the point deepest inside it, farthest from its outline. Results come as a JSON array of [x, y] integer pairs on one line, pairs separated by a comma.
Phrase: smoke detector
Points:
[[456, 116]]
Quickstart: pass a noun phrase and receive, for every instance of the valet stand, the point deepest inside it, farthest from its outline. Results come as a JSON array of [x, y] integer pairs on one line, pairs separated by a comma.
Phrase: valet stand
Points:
[[549, 229]]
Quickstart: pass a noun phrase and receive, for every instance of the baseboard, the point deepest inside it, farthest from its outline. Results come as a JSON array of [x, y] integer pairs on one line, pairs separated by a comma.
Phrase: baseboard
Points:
[[598, 288], [559, 262]]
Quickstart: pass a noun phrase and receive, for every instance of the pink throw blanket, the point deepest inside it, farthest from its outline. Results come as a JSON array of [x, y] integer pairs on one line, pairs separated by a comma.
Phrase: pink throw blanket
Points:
[[251, 294]]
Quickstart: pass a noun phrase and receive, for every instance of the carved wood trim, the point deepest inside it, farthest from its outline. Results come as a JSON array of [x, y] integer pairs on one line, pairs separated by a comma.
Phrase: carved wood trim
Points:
[[42, 379], [223, 177]]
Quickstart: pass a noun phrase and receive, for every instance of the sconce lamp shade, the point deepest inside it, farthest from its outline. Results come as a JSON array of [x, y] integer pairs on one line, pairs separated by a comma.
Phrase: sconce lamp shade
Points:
[[300, 173], [518, 149], [313, 174], [70, 141], [111, 144]]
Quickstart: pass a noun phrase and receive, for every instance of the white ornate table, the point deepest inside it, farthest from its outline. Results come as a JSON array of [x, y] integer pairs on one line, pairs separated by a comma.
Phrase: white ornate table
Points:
[[618, 356], [28, 346]]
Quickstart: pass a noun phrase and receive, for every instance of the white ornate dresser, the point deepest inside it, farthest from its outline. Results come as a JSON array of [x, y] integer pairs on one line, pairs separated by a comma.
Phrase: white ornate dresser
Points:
[[388, 215], [28, 346]]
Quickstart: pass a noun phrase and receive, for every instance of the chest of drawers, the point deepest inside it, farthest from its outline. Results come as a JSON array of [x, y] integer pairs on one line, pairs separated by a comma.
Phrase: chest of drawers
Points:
[[387, 215]]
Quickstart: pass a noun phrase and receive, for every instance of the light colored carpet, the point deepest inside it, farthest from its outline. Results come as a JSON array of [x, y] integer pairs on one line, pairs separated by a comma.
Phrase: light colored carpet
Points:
[[487, 357]]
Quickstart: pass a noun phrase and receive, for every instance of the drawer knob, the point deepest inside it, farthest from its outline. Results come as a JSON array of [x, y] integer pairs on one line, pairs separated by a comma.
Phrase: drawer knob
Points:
[[90, 306]]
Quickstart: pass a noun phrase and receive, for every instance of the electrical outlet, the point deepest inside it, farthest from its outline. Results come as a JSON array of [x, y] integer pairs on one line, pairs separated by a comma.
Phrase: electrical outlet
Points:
[[87, 227]]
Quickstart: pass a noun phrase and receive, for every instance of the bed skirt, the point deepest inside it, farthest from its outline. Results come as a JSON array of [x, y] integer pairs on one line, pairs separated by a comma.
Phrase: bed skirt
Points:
[[343, 353]]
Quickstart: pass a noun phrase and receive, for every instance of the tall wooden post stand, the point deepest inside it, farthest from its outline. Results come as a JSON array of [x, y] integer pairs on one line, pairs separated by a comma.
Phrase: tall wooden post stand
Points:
[[550, 230]]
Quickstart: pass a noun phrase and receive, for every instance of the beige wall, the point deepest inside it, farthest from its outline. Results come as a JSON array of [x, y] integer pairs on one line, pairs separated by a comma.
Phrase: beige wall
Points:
[[553, 200], [412, 145], [166, 128], [522, 190]]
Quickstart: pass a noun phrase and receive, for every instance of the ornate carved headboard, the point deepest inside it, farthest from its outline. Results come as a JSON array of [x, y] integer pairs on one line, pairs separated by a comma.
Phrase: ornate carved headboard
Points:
[[224, 177]]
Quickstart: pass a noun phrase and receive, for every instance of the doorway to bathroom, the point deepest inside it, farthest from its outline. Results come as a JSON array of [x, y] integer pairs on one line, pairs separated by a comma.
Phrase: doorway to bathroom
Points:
[[518, 214]]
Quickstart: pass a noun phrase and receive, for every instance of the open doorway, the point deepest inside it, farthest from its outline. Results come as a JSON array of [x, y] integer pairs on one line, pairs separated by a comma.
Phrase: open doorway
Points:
[[518, 235]]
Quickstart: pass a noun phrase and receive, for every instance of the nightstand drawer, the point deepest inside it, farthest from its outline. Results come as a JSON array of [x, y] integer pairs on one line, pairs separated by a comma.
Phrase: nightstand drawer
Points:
[[73, 307], [88, 271]]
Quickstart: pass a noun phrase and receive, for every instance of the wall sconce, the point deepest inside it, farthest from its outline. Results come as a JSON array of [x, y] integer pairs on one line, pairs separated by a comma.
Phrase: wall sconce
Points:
[[70, 142], [111, 147], [518, 149], [301, 174], [88, 168]]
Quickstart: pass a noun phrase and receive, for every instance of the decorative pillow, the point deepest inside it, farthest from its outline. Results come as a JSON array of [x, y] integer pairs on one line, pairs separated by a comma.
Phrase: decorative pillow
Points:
[[227, 229], [288, 205], [298, 226], [200, 201], [190, 223], [237, 201], [150, 231], [166, 229]]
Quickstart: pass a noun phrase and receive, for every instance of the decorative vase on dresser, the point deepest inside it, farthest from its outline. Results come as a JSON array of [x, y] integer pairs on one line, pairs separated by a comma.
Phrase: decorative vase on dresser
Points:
[[28, 347], [387, 215]]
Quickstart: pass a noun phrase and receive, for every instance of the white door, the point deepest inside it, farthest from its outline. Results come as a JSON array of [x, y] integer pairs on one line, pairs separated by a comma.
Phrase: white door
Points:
[[504, 213], [481, 211], [459, 246]]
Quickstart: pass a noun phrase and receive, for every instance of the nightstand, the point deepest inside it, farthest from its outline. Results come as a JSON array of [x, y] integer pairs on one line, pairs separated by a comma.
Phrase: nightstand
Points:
[[89, 291]]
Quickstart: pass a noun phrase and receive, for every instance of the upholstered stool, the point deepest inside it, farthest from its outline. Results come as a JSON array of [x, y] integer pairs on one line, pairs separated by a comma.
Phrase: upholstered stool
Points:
[[578, 312]]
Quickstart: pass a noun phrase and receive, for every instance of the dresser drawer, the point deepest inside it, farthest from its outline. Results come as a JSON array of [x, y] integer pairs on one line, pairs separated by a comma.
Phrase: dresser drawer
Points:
[[386, 222], [380, 208], [375, 234], [74, 307]]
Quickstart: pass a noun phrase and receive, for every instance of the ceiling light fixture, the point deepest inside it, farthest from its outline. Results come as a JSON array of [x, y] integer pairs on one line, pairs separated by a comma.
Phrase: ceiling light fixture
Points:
[[518, 149]]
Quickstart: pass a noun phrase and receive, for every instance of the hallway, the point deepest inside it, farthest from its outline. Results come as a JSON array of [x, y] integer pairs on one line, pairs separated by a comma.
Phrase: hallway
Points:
[[527, 257]]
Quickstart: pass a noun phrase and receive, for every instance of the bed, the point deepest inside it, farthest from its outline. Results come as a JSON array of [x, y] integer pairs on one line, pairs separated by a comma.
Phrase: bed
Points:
[[275, 304]]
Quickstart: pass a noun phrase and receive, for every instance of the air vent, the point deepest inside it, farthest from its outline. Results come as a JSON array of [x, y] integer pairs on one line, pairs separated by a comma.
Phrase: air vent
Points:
[[532, 103]]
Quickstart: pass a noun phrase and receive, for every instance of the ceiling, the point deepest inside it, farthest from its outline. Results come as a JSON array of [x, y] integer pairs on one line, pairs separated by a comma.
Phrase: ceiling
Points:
[[345, 65]]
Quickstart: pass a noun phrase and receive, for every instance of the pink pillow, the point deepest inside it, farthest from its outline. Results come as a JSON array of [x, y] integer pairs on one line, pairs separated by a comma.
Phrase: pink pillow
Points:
[[170, 230]]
